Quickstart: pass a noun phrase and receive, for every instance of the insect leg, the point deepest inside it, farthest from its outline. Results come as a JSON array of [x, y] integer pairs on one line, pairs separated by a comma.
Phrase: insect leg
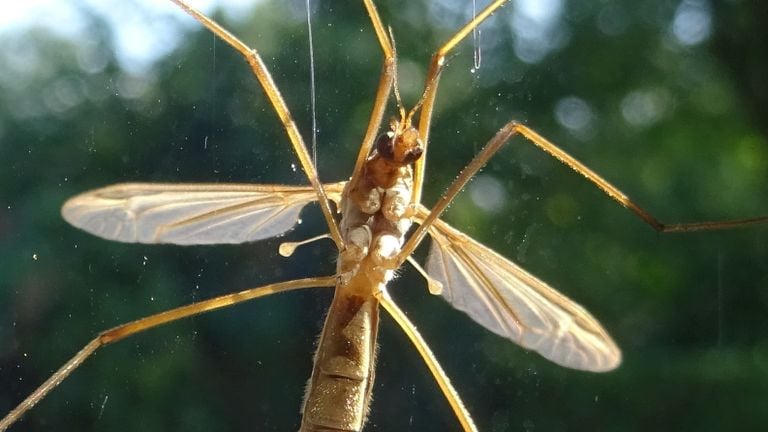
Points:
[[430, 90], [276, 99], [430, 360], [615, 194], [514, 128], [382, 93], [123, 331]]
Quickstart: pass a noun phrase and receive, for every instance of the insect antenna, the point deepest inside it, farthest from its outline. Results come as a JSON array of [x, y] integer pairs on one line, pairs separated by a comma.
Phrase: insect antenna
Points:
[[398, 99]]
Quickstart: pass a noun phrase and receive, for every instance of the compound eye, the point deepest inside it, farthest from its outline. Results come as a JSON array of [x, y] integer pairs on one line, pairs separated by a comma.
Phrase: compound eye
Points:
[[385, 145], [413, 155]]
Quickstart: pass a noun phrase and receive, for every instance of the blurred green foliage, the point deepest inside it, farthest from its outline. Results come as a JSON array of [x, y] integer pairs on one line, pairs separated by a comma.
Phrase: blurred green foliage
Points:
[[680, 128]]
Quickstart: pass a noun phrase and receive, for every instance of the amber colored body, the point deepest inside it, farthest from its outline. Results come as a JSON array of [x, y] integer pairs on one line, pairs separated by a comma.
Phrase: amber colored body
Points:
[[339, 391], [378, 206], [374, 222]]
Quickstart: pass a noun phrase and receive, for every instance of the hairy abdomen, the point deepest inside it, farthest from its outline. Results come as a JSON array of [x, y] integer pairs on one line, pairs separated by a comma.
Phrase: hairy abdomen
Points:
[[339, 391]]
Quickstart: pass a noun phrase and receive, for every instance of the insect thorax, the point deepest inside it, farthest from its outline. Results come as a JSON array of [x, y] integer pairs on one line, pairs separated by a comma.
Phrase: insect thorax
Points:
[[376, 208]]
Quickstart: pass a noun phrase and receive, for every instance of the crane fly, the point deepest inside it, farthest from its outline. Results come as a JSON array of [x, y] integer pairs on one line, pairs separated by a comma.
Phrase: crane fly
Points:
[[374, 236]]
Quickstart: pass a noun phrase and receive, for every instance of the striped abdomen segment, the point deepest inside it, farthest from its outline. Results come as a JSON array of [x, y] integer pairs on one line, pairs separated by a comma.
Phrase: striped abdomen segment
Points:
[[339, 391]]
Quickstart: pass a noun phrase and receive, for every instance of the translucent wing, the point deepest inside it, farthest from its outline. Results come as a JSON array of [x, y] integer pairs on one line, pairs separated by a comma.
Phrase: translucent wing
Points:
[[509, 301], [188, 214]]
